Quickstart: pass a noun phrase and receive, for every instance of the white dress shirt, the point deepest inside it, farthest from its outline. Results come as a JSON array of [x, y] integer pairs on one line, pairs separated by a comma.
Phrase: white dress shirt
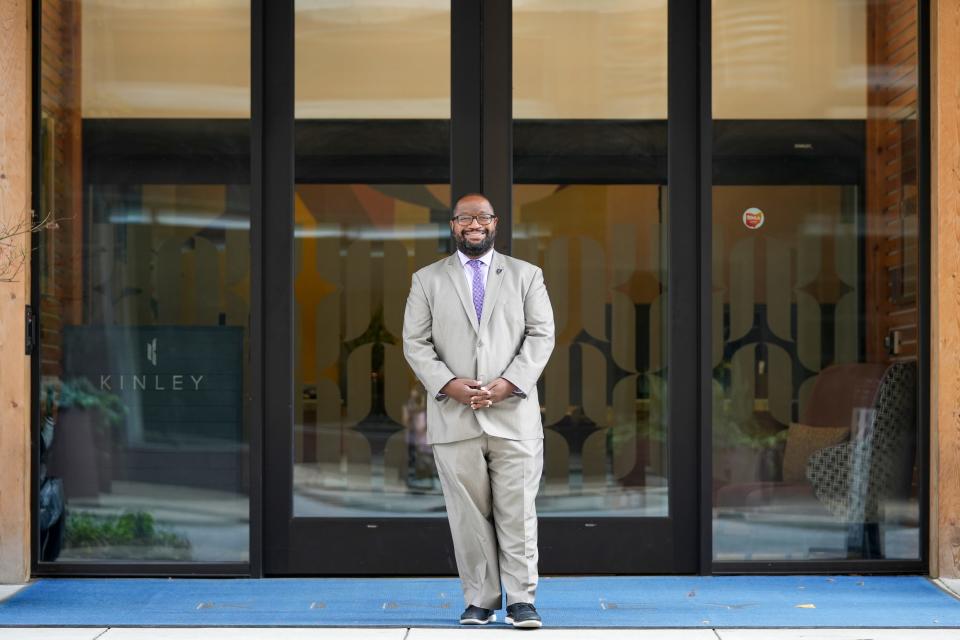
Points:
[[485, 261]]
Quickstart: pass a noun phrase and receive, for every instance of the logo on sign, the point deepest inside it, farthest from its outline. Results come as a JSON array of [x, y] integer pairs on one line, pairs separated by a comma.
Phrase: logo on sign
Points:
[[152, 352], [753, 218]]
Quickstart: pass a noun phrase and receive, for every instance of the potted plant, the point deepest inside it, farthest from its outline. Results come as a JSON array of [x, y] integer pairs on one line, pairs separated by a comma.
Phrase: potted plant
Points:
[[81, 451]]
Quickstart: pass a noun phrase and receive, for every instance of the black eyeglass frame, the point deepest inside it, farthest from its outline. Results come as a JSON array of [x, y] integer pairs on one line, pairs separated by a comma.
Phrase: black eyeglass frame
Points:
[[477, 217]]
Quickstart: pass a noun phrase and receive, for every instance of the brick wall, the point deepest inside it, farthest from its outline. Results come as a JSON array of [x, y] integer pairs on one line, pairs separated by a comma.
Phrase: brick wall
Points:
[[60, 250]]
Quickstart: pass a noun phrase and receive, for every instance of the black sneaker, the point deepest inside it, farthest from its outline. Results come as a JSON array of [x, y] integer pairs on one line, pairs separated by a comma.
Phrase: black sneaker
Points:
[[523, 615], [477, 615]]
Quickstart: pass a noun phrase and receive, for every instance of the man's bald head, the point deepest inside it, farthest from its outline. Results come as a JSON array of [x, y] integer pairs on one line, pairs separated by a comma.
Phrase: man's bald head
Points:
[[471, 198]]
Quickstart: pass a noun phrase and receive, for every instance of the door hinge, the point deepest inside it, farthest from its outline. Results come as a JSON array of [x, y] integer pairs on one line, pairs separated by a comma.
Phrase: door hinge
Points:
[[893, 342], [31, 331]]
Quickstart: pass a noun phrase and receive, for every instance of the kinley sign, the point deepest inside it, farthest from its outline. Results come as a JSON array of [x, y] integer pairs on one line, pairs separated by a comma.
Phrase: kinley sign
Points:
[[175, 381], [146, 382], [133, 382]]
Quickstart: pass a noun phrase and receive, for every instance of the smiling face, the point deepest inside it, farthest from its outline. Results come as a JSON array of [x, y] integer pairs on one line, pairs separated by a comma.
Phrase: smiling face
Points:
[[473, 239]]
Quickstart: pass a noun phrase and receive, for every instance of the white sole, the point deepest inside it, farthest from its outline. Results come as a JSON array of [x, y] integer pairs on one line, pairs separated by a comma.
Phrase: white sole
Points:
[[492, 618], [526, 624]]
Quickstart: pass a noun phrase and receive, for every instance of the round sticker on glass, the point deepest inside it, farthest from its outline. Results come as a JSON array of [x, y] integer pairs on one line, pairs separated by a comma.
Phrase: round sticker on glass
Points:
[[753, 218]]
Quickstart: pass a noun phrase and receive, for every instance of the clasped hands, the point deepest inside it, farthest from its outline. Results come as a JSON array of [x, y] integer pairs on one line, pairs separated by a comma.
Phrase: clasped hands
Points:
[[476, 394]]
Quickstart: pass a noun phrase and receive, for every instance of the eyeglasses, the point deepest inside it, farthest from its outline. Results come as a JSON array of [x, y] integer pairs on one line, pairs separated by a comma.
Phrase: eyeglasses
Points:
[[483, 218]]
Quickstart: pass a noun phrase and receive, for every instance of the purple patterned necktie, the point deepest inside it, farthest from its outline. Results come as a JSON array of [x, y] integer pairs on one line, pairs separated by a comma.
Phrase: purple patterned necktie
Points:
[[477, 286]]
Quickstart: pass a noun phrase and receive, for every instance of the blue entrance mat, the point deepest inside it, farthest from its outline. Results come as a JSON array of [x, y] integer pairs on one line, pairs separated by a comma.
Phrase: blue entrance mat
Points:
[[639, 602]]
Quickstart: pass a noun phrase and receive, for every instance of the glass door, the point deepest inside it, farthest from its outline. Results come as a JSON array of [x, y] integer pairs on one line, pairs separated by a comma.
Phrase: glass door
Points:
[[393, 110], [591, 207], [371, 196], [817, 434]]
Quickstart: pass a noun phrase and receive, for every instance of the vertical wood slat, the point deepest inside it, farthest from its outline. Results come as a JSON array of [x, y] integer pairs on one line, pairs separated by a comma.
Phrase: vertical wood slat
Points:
[[945, 292], [874, 156], [15, 122]]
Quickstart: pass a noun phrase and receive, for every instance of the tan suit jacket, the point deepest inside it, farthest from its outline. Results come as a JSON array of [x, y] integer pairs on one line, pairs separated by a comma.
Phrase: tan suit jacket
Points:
[[442, 340]]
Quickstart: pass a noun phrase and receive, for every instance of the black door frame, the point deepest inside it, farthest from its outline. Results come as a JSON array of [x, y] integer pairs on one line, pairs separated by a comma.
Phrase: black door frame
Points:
[[832, 566], [481, 110], [482, 121], [481, 160]]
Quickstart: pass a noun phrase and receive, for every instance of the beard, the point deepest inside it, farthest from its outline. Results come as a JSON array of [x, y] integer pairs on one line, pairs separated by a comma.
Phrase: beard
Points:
[[475, 249]]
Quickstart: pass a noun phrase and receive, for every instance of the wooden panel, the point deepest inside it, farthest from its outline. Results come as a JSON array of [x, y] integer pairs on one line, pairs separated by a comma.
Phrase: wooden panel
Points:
[[891, 189], [945, 310], [906, 100], [897, 8], [891, 180], [905, 38], [908, 48], [15, 370], [895, 24]]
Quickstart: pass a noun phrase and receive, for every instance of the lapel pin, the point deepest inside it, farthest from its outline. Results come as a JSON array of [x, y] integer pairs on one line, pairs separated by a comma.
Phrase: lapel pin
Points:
[[499, 269]]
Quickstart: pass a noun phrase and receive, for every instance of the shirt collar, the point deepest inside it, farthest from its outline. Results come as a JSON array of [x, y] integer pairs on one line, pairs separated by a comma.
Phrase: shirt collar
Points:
[[485, 258]]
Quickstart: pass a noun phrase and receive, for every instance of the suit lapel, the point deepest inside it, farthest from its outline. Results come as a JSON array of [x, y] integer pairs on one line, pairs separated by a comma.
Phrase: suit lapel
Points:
[[494, 278], [455, 271]]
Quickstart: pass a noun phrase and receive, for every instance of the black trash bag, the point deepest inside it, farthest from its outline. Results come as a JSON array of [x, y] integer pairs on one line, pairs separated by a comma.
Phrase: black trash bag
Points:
[[51, 518]]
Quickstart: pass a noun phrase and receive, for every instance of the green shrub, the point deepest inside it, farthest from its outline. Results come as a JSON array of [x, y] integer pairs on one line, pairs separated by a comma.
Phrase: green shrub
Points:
[[133, 528], [80, 393]]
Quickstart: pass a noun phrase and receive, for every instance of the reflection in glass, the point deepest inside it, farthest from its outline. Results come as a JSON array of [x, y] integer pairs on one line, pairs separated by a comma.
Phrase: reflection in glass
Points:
[[372, 206], [143, 410], [173, 59], [144, 283], [360, 433], [385, 59], [590, 59], [590, 208], [814, 285], [372, 104], [603, 252]]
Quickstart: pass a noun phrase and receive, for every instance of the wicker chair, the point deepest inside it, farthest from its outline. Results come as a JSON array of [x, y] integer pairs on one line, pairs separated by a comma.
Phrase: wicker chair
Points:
[[855, 479]]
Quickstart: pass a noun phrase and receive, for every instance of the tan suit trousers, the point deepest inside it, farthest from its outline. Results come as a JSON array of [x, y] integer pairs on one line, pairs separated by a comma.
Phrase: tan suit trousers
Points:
[[490, 487]]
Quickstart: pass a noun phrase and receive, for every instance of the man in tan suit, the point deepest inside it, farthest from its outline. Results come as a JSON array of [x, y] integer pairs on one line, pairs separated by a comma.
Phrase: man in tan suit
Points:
[[478, 331]]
